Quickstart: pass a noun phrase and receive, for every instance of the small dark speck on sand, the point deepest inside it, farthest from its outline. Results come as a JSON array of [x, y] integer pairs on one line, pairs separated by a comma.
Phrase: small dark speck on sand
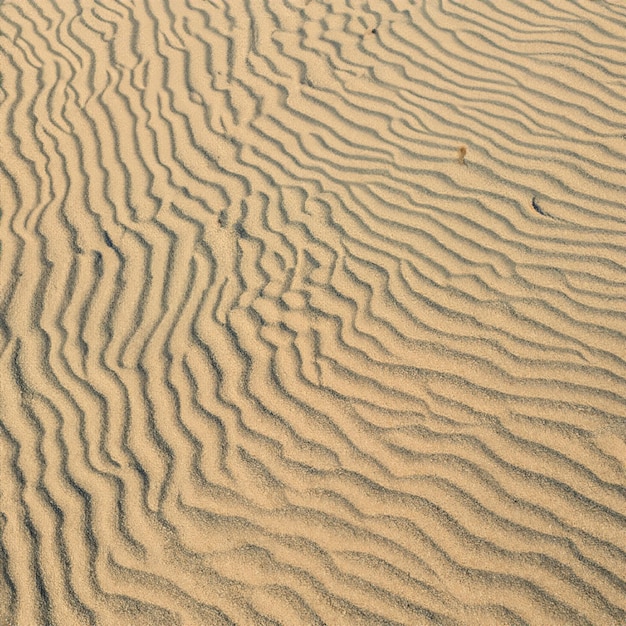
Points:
[[222, 218], [537, 207], [460, 155]]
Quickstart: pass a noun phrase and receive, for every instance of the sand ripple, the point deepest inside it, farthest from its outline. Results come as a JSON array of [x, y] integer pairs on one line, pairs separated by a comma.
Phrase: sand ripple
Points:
[[312, 312]]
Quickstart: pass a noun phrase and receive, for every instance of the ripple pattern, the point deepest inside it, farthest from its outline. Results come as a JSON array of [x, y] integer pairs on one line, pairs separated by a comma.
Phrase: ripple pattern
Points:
[[312, 312]]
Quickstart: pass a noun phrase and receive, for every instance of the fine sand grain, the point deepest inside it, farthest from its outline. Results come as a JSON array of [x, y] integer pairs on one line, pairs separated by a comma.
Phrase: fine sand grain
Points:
[[312, 312]]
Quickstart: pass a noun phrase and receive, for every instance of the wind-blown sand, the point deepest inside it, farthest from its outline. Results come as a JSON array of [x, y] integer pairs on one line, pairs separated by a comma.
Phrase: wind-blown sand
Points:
[[312, 312]]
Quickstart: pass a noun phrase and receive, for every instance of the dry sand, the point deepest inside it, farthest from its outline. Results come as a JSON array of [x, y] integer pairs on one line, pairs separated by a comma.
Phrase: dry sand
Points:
[[312, 312]]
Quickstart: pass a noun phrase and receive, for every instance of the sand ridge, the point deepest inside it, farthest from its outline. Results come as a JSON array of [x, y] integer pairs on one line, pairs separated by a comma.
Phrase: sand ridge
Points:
[[312, 312]]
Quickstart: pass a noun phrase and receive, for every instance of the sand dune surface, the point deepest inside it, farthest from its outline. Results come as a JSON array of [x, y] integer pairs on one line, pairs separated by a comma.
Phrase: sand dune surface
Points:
[[312, 312]]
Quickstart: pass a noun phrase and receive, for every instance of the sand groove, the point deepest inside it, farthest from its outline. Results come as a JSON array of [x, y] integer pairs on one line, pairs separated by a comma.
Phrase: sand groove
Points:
[[272, 353]]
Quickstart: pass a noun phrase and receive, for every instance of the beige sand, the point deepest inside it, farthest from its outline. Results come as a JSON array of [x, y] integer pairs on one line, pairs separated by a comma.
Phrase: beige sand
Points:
[[312, 312]]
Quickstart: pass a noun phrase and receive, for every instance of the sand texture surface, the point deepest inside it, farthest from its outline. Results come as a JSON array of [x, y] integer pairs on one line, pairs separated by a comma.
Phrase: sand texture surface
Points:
[[312, 312]]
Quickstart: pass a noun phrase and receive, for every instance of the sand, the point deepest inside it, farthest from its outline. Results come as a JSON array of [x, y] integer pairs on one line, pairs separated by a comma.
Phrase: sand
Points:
[[312, 312]]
